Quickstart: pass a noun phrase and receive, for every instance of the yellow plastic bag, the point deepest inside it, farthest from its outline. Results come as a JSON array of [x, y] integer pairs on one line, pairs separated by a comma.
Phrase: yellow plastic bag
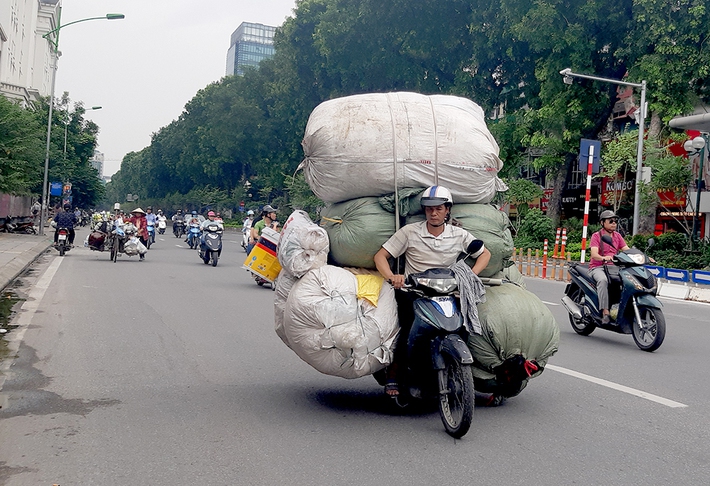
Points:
[[368, 287]]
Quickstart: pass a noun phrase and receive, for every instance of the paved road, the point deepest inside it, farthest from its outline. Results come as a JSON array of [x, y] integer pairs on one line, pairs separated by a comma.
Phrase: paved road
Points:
[[168, 372]]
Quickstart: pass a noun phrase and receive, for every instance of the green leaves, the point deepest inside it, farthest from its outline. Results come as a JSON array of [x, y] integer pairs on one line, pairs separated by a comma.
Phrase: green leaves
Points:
[[20, 149]]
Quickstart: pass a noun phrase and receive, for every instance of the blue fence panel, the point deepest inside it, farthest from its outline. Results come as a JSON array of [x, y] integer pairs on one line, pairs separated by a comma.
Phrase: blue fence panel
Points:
[[701, 277], [677, 275], [659, 272]]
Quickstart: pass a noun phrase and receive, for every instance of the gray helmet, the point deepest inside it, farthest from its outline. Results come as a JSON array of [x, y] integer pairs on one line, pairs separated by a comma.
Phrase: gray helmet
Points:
[[608, 214], [268, 209]]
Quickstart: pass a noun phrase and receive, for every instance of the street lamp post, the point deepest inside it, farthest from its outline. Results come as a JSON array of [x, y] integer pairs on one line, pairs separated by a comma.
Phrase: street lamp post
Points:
[[53, 38], [568, 77]]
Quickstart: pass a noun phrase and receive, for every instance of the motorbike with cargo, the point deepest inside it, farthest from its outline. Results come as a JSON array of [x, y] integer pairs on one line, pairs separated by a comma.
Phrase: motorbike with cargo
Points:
[[439, 361]]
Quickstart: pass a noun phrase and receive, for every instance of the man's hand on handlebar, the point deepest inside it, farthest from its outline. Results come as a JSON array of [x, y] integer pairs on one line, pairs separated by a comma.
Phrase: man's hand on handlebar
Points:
[[397, 281]]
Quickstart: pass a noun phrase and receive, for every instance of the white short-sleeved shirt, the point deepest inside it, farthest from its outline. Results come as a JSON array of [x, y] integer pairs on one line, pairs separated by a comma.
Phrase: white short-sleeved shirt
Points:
[[423, 250]]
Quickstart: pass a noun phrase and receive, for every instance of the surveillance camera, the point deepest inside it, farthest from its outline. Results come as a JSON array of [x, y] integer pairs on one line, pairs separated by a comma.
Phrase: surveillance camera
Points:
[[568, 80]]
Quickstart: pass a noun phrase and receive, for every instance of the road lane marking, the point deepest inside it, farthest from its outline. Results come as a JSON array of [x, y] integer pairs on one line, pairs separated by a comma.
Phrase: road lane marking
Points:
[[616, 386]]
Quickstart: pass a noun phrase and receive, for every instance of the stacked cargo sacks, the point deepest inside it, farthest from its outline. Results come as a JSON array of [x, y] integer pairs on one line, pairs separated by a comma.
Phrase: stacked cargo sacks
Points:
[[370, 157], [340, 323]]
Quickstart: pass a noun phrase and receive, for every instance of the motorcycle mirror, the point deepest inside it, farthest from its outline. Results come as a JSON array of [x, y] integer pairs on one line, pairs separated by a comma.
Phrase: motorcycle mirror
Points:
[[473, 247], [607, 239], [651, 242]]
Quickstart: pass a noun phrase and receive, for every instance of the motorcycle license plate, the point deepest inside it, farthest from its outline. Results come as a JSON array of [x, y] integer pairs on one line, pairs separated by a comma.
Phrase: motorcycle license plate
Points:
[[446, 305], [62, 237]]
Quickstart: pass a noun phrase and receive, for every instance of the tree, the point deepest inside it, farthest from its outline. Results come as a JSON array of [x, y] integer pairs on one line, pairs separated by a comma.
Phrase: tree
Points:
[[20, 149], [521, 192]]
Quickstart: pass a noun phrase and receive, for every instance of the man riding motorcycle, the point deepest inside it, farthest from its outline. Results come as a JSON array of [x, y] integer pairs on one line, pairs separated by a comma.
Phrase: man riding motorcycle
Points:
[[429, 244], [603, 254], [66, 219]]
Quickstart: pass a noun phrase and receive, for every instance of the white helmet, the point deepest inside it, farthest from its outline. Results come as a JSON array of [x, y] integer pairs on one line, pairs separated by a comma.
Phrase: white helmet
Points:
[[250, 213], [436, 196]]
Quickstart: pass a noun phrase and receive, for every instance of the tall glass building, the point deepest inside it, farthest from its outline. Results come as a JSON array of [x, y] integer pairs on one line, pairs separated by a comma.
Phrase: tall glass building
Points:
[[249, 44]]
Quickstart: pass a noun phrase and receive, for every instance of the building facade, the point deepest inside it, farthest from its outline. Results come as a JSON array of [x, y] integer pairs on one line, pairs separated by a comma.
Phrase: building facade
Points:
[[25, 57], [249, 45]]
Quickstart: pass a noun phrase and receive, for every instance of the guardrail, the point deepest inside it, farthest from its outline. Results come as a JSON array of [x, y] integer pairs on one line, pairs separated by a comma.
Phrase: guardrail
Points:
[[534, 263]]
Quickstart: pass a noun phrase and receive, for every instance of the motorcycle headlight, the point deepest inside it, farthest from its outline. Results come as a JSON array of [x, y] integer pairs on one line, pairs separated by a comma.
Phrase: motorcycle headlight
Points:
[[638, 258]]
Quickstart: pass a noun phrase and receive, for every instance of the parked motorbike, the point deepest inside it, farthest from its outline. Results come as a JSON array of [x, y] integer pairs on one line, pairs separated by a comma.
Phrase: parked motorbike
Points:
[[178, 228], [151, 235], [26, 226], [211, 248], [62, 245], [161, 226], [193, 236], [632, 288]]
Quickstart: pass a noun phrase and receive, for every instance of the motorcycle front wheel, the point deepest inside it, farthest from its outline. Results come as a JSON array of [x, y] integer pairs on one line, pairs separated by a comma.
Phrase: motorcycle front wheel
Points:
[[215, 258], [580, 326], [456, 396], [653, 333]]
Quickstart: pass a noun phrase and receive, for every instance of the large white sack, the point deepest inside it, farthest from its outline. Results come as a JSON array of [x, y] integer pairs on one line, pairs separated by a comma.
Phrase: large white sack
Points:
[[351, 145], [332, 330], [303, 245], [284, 284]]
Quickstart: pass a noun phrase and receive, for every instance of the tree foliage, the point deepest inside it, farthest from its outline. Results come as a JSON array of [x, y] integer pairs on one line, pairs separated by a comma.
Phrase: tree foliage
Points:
[[500, 53], [23, 148], [20, 149]]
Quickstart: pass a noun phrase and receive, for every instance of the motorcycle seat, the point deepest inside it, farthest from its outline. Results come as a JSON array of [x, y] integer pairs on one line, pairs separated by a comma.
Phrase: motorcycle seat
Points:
[[583, 270]]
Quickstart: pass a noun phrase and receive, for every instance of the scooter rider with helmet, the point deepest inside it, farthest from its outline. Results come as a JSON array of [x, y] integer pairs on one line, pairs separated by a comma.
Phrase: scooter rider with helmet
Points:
[[268, 220], [433, 243], [602, 254], [66, 219]]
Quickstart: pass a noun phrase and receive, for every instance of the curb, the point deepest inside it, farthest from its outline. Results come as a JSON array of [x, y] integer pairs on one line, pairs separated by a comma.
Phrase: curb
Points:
[[19, 264]]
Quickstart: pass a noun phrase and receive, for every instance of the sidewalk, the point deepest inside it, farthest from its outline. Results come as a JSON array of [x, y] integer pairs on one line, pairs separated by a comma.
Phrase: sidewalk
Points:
[[17, 252]]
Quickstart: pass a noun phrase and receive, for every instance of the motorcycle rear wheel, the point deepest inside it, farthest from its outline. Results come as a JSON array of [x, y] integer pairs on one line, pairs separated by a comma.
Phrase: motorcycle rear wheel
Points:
[[114, 251], [654, 332], [62, 250], [456, 397], [581, 327]]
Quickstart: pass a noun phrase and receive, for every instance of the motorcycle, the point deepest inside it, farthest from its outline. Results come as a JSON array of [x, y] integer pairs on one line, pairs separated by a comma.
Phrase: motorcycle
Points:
[[117, 239], [151, 235], [26, 226], [245, 240], [161, 226], [62, 245], [178, 228], [634, 309], [211, 248], [439, 361], [193, 236]]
